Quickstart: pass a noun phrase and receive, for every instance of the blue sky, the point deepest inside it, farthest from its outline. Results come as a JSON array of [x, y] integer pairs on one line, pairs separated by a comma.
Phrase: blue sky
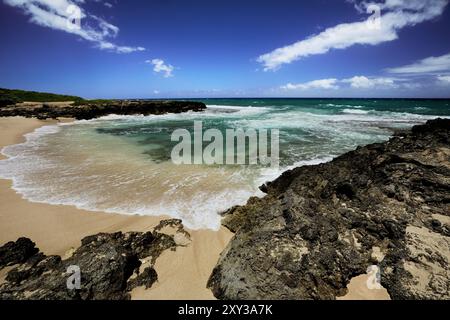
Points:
[[196, 48]]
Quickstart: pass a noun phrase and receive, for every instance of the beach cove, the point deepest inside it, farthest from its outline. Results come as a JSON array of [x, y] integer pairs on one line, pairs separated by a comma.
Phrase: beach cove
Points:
[[57, 230], [49, 162]]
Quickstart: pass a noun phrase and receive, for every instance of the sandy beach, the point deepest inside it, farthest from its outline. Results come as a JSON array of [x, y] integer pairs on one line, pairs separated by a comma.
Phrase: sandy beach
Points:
[[58, 229]]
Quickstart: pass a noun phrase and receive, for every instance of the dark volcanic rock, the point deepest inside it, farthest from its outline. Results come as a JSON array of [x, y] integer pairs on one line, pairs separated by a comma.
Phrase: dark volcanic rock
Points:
[[109, 264], [319, 226], [17, 252], [145, 278], [95, 110]]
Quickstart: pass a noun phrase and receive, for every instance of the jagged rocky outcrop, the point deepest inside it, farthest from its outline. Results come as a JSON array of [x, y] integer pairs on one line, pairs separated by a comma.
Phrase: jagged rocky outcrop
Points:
[[17, 252], [385, 204], [86, 111], [111, 265]]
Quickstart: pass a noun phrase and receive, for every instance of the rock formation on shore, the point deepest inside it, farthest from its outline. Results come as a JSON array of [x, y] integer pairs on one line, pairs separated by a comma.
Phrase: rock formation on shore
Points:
[[385, 204], [111, 265], [87, 110]]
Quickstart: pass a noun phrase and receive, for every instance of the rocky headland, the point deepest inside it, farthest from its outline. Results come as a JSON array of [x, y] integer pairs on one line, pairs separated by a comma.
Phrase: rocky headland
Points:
[[86, 110], [42, 105], [386, 204]]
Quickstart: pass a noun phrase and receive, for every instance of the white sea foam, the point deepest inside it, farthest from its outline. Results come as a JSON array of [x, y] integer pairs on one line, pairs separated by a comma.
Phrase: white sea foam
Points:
[[355, 111], [332, 105], [212, 111], [31, 139], [318, 122], [236, 110], [270, 174]]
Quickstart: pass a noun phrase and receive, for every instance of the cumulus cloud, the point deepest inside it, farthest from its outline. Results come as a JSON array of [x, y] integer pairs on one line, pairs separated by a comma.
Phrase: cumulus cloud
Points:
[[69, 16], [326, 84], [427, 65], [159, 66], [444, 80], [356, 82], [363, 82], [396, 15]]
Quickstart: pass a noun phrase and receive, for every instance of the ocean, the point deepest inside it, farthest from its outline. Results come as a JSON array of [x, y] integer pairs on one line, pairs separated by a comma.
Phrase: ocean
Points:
[[122, 164]]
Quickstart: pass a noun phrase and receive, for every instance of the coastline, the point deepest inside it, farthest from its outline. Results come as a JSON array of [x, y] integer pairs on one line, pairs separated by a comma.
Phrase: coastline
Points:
[[57, 230]]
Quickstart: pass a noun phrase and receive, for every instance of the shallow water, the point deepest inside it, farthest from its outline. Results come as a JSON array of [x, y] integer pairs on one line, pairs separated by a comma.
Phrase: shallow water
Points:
[[122, 164]]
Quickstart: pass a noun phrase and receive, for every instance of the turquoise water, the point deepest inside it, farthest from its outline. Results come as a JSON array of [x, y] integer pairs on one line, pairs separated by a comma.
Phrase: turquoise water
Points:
[[122, 164], [310, 128], [439, 107]]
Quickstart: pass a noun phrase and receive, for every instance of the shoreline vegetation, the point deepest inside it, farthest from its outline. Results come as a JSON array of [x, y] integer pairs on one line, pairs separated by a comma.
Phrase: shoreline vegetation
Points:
[[11, 97], [311, 237]]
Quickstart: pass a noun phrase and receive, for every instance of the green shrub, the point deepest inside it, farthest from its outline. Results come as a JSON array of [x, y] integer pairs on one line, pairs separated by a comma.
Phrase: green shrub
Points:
[[8, 99], [17, 96]]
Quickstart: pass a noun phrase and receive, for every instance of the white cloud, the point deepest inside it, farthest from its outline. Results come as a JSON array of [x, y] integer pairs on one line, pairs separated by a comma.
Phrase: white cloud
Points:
[[125, 49], [427, 65], [400, 14], [356, 82], [316, 84], [363, 82], [107, 29], [64, 15], [444, 79], [160, 66]]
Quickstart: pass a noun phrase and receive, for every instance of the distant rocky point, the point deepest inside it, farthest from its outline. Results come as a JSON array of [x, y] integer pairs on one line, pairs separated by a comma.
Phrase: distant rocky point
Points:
[[50, 106]]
